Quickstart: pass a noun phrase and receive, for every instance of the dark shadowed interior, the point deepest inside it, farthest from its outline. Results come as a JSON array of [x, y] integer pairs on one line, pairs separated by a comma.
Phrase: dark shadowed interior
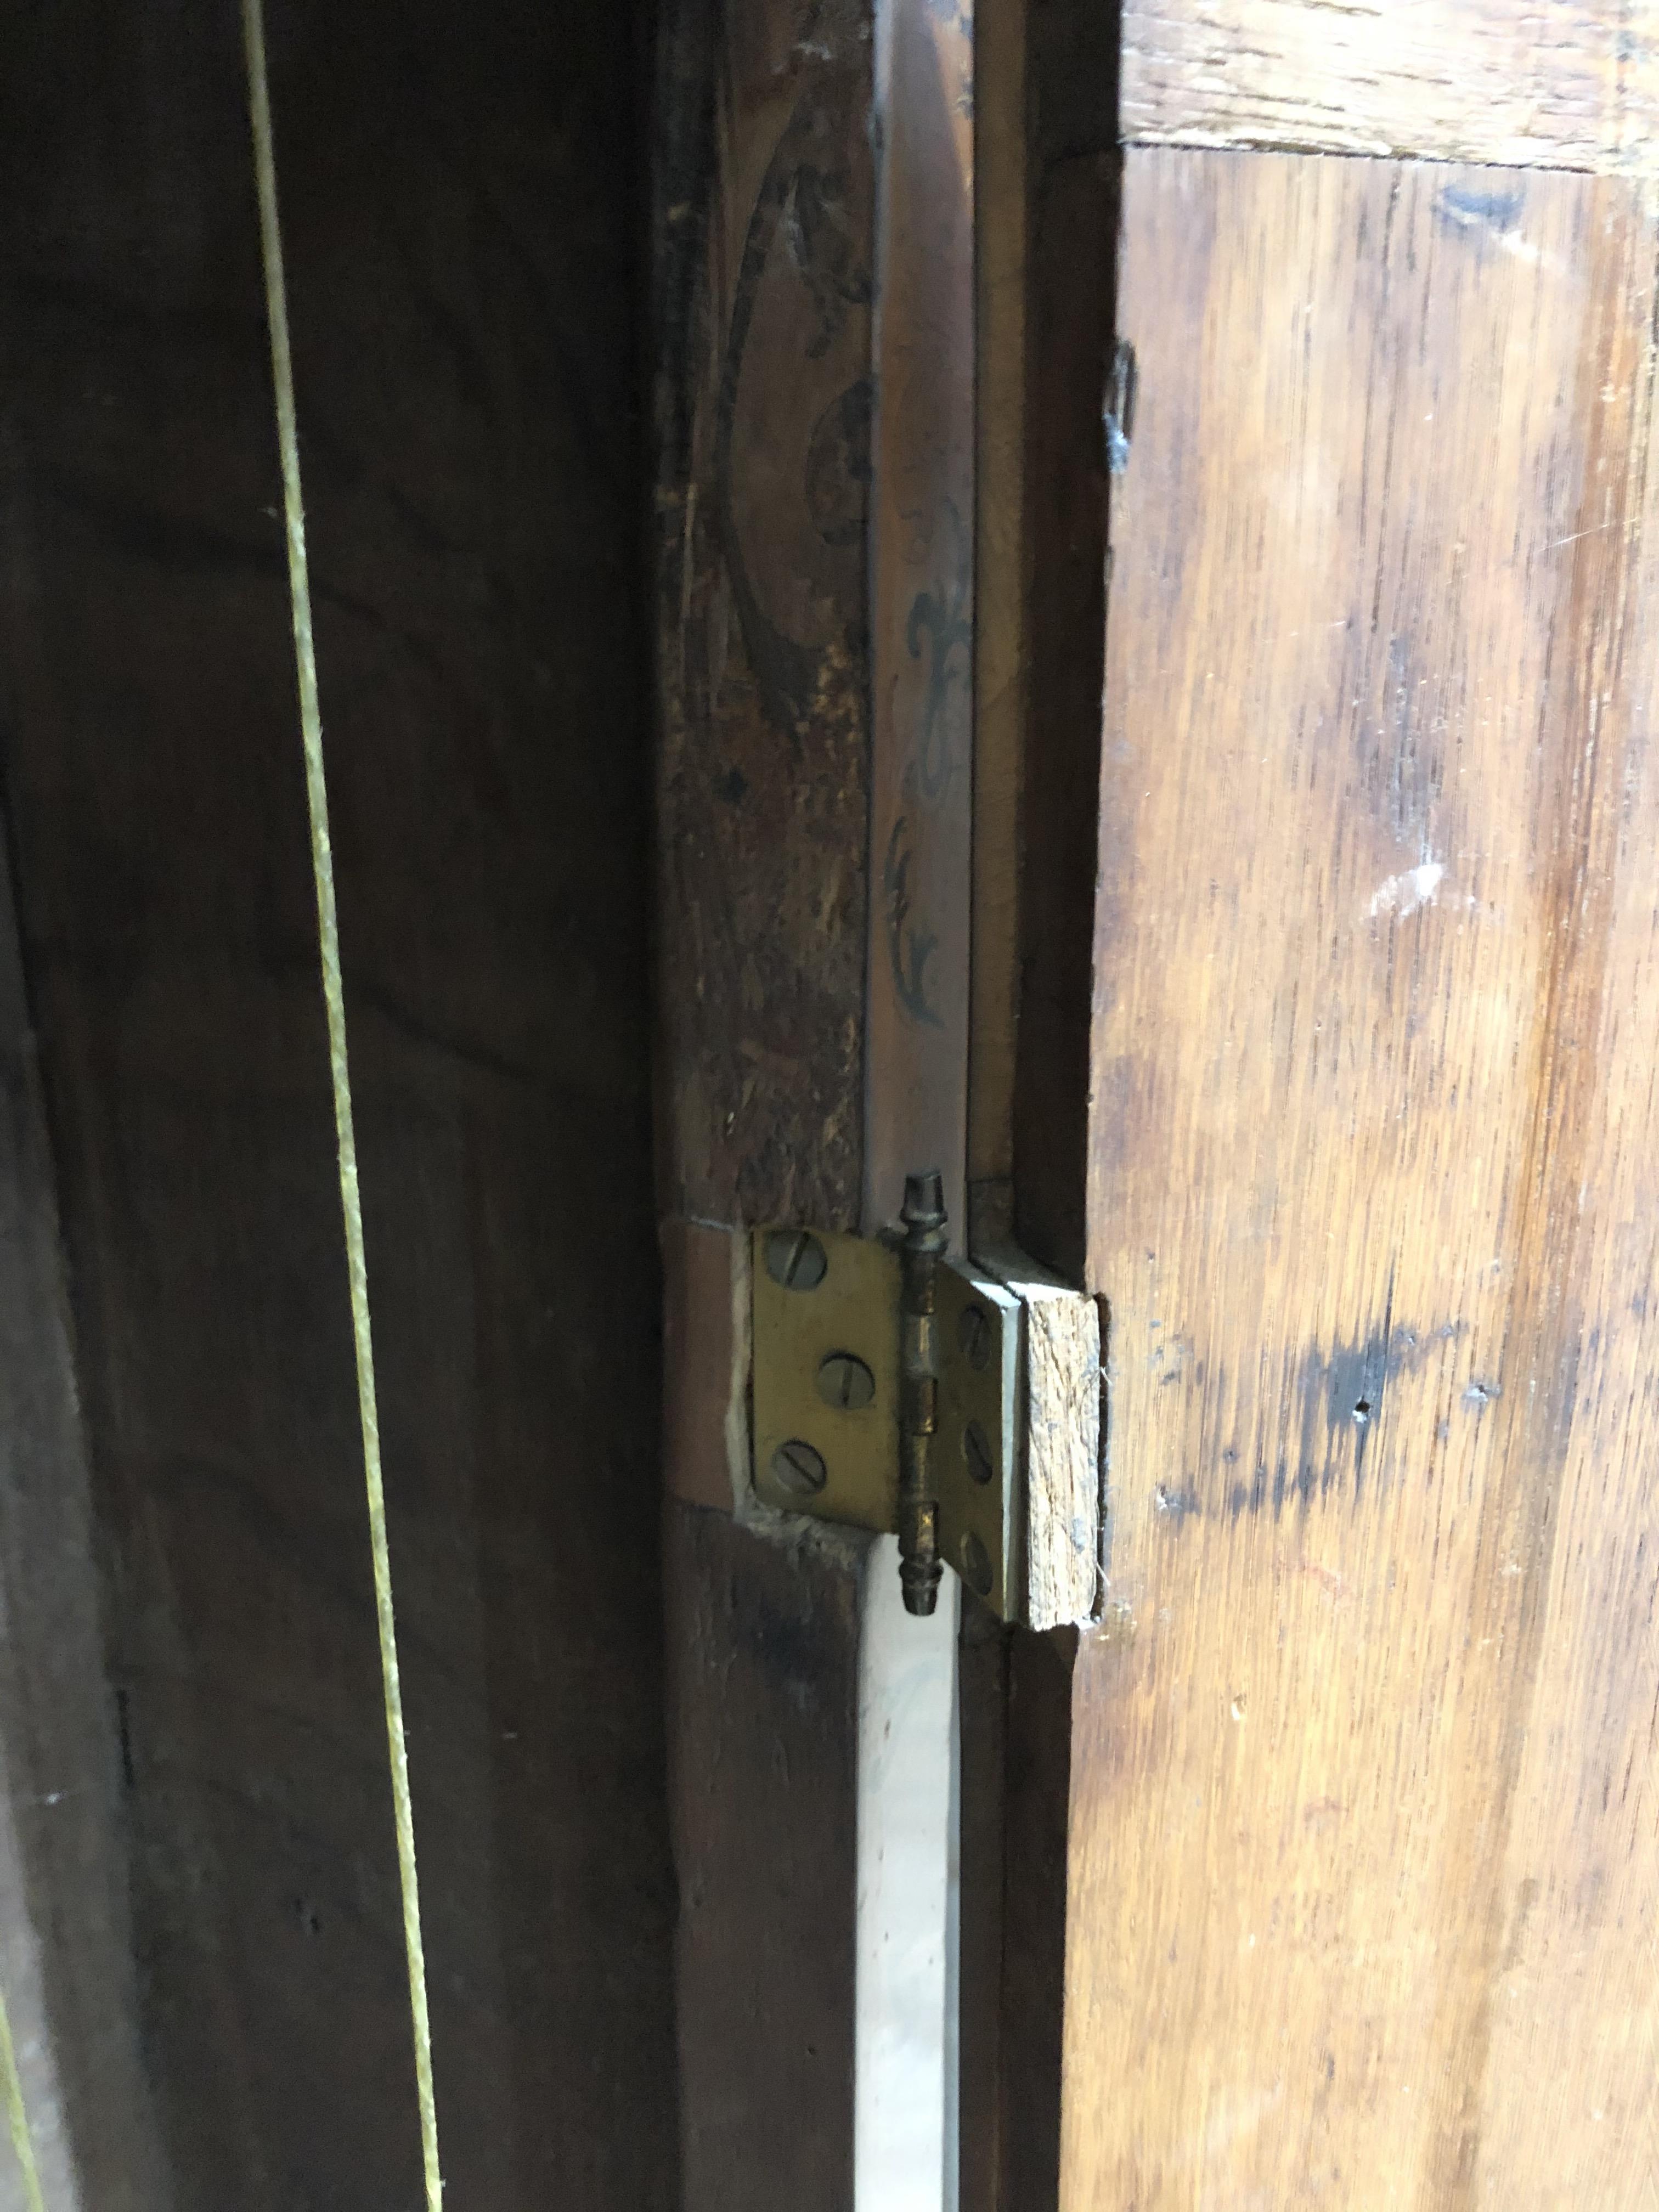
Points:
[[462, 194]]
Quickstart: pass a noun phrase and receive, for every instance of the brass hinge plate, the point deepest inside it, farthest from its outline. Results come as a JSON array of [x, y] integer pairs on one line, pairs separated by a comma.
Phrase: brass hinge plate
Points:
[[827, 1397]]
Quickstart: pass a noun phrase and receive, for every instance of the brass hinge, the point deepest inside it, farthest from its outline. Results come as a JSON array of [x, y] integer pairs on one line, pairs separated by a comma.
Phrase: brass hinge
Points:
[[887, 1390]]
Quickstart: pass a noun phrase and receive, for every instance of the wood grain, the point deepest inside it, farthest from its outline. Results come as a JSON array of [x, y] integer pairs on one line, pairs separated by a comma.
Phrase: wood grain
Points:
[[1063, 1456], [459, 209], [763, 274], [763, 1646], [1364, 1882], [1058, 1442], [1562, 84]]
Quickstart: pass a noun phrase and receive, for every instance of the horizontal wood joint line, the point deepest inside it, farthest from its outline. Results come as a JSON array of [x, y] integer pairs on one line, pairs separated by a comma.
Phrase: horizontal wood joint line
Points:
[[1475, 81], [1198, 141]]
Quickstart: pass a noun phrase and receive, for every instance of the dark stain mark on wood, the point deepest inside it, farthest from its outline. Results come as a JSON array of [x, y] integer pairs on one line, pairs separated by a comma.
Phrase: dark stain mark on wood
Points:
[[1343, 1393], [807, 204], [838, 467], [1465, 207], [123, 1730], [910, 944], [940, 618]]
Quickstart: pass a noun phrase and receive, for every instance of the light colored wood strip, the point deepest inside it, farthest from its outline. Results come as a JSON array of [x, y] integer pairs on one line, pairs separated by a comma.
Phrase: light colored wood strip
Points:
[[1364, 1868], [1570, 2099], [921, 611], [1565, 84], [921, 615]]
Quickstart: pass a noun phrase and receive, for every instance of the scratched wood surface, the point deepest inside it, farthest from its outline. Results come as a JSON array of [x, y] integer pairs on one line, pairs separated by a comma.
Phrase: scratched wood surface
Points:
[[763, 274], [1365, 1848], [1568, 84]]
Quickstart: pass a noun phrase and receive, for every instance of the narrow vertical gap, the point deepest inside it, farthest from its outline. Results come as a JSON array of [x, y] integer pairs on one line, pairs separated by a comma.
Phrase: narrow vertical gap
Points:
[[905, 2043], [921, 550]]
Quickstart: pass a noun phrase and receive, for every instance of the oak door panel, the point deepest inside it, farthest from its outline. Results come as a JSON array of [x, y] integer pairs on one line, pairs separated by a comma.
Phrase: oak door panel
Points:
[[1364, 1873]]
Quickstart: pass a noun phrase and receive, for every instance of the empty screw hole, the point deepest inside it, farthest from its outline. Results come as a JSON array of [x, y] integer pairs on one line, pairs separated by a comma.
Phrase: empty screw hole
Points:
[[976, 1565]]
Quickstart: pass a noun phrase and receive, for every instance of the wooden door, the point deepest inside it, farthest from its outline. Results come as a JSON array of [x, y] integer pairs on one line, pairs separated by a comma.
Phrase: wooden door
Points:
[[1359, 1885]]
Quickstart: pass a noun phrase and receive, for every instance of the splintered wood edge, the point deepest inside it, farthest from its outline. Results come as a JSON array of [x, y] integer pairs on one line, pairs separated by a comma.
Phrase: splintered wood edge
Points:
[[1063, 1497]]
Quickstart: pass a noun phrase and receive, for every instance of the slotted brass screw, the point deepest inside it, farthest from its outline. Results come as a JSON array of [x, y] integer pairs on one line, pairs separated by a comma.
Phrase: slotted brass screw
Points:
[[798, 1468], [796, 1260], [846, 1382]]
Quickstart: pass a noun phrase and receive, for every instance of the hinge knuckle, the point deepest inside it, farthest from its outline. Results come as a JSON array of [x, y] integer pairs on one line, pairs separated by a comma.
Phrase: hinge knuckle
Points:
[[923, 1217]]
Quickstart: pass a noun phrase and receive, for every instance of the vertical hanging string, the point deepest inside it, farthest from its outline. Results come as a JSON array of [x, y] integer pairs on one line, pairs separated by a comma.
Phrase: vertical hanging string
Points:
[[265, 164], [17, 2118]]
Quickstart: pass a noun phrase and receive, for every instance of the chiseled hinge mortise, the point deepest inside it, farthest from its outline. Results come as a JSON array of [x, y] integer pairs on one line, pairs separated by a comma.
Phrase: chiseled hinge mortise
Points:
[[887, 1393]]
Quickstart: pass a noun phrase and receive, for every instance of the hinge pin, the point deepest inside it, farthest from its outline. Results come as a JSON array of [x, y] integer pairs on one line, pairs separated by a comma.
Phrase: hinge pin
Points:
[[923, 1217]]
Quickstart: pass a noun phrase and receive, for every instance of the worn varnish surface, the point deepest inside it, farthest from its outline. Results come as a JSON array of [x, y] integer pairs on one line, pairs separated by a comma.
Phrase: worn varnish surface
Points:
[[763, 275], [459, 214], [1364, 1877], [1570, 84]]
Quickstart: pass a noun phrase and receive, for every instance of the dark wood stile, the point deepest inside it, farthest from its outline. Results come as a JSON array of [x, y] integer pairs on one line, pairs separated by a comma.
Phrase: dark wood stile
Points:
[[762, 274]]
